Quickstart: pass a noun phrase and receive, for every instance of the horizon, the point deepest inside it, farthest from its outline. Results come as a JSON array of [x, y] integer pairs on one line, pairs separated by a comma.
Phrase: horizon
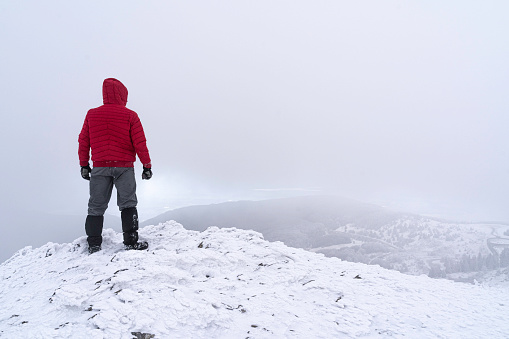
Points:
[[419, 208], [112, 220]]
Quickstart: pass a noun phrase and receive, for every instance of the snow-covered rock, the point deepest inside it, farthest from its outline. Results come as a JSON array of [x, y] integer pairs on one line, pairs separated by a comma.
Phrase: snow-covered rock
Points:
[[230, 283]]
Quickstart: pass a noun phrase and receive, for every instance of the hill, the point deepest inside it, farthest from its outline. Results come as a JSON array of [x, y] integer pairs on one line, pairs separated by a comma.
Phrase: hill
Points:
[[298, 221], [361, 232], [229, 283]]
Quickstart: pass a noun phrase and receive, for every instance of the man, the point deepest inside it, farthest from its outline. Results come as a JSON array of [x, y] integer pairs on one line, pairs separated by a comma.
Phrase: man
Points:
[[115, 135]]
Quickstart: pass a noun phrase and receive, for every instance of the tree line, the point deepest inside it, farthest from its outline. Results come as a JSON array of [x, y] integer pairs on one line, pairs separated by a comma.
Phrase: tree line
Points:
[[469, 263]]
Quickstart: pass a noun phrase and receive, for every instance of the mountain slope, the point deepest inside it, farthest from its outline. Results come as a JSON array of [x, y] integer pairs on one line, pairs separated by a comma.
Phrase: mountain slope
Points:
[[298, 221], [229, 283], [359, 232]]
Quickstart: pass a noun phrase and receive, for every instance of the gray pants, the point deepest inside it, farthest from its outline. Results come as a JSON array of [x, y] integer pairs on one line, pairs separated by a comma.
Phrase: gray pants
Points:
[[102, 180]]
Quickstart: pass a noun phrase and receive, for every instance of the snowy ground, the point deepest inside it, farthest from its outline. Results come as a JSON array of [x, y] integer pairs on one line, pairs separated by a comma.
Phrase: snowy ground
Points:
[[230, 283]]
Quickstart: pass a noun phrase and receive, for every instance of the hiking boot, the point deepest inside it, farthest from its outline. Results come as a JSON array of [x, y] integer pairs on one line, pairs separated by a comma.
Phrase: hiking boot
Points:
[[140, 246], [93, 249], [94, 228], [130, 226]]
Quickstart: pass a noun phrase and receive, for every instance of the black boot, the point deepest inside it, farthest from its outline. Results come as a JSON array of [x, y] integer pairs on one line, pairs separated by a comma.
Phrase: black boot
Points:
[[94, 228], [93, 249], [130, 228], [140, 245]]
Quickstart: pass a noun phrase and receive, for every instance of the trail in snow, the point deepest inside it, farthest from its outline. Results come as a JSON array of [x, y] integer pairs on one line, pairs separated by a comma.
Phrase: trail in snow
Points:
[[230, 283]]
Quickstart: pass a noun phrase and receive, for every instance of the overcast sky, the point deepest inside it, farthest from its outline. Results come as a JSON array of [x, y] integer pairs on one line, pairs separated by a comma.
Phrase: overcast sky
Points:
[[404, 103]]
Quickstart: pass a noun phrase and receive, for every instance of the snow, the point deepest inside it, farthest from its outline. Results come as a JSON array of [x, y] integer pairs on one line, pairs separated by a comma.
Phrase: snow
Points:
[[360, 232], [230, 283]]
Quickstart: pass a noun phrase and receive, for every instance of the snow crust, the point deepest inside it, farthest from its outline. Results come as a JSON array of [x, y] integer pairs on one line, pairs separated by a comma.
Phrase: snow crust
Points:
[[230, 283]]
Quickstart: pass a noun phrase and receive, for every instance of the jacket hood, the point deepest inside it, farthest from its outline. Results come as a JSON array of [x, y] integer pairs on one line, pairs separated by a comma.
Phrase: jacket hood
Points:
[[114, 92]]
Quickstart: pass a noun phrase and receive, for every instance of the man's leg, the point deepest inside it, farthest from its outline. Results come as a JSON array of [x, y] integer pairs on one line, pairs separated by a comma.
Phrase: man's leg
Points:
[[93, 228], [125, 184], [130, 225], [101, 185]]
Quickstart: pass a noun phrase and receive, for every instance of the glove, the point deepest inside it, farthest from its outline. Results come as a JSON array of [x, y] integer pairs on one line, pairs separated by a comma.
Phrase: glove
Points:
[[85, 172], [147, 173]]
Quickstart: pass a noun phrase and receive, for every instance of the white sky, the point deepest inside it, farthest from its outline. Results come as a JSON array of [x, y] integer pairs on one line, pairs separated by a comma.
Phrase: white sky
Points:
[[398, 102]]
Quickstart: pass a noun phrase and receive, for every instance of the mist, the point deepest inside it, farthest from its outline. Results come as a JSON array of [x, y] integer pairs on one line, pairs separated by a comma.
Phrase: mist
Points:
[[396, 103]]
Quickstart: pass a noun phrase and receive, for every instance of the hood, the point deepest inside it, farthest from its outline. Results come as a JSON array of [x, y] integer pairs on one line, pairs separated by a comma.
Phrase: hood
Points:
[[114, 92]]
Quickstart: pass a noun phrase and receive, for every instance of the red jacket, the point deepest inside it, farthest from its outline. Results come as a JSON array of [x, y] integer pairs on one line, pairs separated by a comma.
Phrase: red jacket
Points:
[[113, 131]]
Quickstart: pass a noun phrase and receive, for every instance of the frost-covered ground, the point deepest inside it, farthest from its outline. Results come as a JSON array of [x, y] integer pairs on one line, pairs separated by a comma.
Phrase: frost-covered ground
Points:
[[230, 283], [359, 232]]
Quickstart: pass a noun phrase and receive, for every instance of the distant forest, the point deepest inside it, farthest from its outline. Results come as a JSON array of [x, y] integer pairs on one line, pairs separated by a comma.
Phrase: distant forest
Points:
[[470, 263]]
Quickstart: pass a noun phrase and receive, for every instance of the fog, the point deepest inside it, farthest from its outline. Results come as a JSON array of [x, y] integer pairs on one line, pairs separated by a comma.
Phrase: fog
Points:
[[404, 104]]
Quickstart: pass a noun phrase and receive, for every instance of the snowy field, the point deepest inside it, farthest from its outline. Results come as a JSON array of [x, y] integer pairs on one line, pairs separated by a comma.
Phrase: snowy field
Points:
[[363, 233], [230, 283]]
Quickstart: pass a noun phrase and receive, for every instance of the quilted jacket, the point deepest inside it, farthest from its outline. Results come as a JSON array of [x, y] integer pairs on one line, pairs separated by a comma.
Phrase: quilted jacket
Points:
[[113, 132]]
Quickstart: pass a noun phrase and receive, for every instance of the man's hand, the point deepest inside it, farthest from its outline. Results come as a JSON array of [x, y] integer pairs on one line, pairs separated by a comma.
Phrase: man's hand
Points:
[[147, 173], [85, 172]]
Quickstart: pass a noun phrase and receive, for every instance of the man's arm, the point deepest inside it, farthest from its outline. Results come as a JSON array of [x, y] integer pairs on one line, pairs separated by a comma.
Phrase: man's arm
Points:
[[84, 144], [139, 141]]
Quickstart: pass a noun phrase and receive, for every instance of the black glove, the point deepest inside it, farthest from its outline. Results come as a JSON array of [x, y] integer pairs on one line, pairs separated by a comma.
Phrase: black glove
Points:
[[147, 173], [85, 172]]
